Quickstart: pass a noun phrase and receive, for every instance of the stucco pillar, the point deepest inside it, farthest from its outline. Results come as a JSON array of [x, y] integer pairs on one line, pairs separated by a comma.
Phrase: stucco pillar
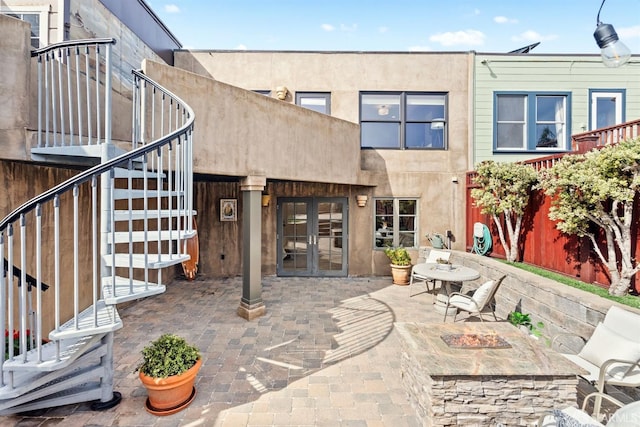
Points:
[[251, 305]]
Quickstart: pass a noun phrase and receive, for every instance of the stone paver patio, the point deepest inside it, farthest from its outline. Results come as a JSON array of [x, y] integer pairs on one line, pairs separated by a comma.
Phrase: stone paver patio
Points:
[[325, 354]]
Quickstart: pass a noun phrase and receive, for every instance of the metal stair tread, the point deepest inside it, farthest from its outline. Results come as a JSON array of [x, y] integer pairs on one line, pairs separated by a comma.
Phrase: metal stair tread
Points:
[[128, 290], [124, 193], [123, 215], [152, 236], [154, 260], [70, 350], [107, 320]]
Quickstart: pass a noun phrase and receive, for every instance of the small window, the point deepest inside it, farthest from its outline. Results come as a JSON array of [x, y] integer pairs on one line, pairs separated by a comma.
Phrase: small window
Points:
[[531, 121], [36, 16], [403, 120], [395, 222], [316, 101]]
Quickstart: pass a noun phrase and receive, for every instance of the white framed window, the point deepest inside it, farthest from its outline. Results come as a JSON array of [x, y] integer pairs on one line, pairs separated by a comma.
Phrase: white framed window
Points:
[[395, 222], [606, 107], [316, 101], [403, 120], [37, 16], [530, 121]]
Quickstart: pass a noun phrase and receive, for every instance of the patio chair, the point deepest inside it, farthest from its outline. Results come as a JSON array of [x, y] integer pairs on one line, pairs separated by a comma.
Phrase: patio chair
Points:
[[475, 304], [626, 416], [430, 284], [612, 354]]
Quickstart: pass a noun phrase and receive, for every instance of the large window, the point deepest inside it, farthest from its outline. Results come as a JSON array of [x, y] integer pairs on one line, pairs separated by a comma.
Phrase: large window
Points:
[[395, 223], [316, 101], [531, 121], [403, 120]]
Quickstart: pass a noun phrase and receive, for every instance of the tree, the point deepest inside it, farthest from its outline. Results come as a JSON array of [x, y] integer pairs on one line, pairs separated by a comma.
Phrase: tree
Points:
[[505, 189], [599, 188]]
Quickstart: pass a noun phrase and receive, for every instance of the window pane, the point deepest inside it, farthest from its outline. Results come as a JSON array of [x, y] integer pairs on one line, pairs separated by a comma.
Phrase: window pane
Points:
[[383, 231], [510, 135], [549, 135], [407, 207], [511, 108], [550, 109], [315, 101], [425, 107], [425, 135], [380, 135], [606, 108], [380, 107]]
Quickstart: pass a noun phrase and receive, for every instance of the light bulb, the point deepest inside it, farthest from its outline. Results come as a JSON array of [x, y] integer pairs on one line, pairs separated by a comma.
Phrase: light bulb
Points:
[[614, 53]]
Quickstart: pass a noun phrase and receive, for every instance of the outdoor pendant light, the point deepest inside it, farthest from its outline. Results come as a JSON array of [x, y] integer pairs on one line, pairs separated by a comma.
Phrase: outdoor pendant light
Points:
[[614, 52]]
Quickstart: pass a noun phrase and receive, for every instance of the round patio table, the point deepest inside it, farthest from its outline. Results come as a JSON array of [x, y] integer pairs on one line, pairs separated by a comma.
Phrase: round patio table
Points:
[[456, 274]]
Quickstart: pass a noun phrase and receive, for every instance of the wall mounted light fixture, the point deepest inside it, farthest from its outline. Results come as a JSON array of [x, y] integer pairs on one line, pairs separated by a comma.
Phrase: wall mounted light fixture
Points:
[[266, 199], [362, 200], [614, 53]]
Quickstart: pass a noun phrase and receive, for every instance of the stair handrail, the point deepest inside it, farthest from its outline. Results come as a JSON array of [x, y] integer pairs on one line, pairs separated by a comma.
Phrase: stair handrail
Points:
[[180, 135]]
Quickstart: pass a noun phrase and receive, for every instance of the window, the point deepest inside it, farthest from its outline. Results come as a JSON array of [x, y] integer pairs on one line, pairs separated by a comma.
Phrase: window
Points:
[[531, 121], [606, 108], [403, 120], [395, 222], [38, 18], [316, 101]]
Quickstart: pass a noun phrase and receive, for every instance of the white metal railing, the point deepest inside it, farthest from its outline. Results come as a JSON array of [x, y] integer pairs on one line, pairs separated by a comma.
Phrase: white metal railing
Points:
[[63, 238], [74, 80]]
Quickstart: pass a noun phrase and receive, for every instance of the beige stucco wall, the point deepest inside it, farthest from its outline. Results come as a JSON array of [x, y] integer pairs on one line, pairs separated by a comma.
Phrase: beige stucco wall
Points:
[[14, 85], [427, 175], [241, 133]]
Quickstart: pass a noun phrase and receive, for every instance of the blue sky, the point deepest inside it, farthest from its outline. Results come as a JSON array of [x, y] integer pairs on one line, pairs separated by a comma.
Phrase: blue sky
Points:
[[562, 26]]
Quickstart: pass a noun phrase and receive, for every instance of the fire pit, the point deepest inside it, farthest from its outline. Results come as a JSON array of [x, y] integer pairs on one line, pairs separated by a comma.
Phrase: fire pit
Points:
[[475, 341]]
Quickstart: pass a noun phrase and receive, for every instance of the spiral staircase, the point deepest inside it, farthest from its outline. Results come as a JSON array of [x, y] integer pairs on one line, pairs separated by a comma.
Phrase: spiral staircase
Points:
[[101, 238]]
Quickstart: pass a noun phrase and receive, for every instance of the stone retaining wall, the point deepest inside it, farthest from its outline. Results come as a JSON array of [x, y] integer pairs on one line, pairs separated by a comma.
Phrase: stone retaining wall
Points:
[[561, 308]]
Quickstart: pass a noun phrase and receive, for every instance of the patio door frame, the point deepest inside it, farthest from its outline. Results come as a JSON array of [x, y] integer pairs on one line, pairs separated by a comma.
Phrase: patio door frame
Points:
[[314, 234]]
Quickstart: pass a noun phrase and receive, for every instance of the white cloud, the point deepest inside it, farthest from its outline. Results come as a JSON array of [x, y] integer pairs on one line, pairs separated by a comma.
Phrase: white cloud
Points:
[[466, 37], [533, 36], [383, 30], [171, 8], [348, 28], [419, 48], [504, 20], [241, 47], [327, 27], [628, 32], [476, 11]]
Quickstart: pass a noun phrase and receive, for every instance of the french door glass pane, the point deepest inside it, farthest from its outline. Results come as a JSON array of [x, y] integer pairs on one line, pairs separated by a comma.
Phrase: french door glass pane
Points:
[[330, 236], [606, 107], [294, 236]]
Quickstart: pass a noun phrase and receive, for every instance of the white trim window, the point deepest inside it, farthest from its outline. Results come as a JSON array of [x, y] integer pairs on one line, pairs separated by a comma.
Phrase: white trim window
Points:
[[529, 121], [607, 108], [37, 16], [395, 222]]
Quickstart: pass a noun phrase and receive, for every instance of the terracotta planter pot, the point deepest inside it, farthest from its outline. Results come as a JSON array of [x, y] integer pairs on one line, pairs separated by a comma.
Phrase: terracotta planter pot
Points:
[[400, 274], [171, 393]]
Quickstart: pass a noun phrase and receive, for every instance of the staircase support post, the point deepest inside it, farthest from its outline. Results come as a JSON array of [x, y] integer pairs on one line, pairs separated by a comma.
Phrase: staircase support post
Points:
[[251, 304]]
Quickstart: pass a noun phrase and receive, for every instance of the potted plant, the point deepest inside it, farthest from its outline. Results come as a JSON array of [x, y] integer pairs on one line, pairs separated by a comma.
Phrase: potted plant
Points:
[[400, 264], [168, 371], [523, 322]]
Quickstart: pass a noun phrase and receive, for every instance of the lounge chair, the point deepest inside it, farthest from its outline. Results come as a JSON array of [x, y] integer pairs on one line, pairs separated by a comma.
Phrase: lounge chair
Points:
[[475, 304]]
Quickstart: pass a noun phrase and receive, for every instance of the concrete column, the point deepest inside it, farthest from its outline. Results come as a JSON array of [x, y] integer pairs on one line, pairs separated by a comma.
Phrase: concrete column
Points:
[[251, 305]]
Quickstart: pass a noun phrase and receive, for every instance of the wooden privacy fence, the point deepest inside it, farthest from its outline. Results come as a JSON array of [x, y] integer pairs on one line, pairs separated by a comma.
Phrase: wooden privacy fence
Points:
[[540, 242]]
